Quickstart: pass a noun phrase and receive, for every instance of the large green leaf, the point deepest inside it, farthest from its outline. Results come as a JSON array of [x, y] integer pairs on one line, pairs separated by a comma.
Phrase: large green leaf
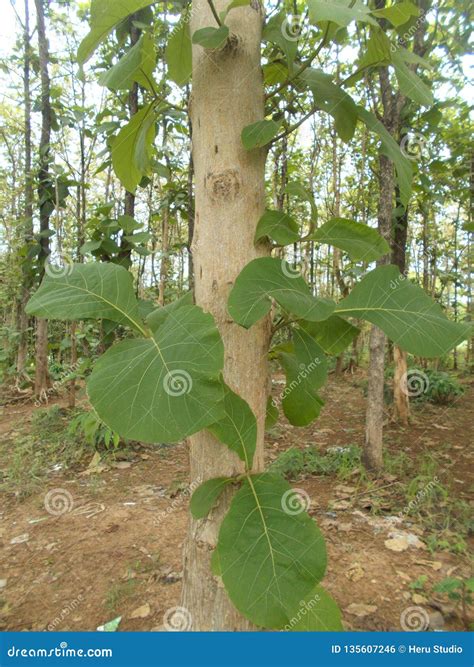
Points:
[[377, 52], [206, 496], [358, 240], [390, 148], [399, 13], [271, 416], [159, 315], [131, 148], [300, 403], [405, 312], [238, 428], [277, 226], [211, 38], [105, 14], [162, 388], [333, 100], [136, 65], [259, 134], [275, 31], [341, 12], [334, 334], [306, 371], [410, 83], [270, 553], [178, 53], [95, 290], [269, 277], [317, 612]]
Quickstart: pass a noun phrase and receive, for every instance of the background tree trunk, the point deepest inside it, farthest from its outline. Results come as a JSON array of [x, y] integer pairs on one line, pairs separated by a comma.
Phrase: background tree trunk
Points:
[[373, 450], [44, 195], [401, 401], [22, 352], [230, 196]]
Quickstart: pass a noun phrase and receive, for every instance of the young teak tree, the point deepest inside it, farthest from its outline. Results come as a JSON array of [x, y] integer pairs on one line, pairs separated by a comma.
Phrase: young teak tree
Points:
[[254, 556]]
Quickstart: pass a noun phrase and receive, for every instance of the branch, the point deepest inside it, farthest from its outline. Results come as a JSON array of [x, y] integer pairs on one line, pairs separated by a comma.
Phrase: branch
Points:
[[295, 126]]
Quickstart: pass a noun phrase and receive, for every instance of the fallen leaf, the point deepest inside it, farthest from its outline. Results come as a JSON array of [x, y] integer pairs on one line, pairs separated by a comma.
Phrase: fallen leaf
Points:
[[360, 610], [141, 612], [20, 539], [419, 599], [340, 504]]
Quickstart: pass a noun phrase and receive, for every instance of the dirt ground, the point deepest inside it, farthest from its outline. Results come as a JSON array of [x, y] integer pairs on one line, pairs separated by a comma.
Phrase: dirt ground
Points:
[[117, 551]]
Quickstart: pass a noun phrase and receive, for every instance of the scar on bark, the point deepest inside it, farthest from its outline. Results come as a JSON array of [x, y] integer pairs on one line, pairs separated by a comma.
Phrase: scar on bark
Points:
[[223, 185]]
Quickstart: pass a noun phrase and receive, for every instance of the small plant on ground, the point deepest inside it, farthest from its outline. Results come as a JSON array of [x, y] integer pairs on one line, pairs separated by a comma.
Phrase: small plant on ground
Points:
[[460, 591]]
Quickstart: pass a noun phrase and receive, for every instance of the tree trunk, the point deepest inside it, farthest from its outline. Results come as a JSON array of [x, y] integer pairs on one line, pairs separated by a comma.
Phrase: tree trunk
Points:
[[71, 400], [129, 199], [373, 450], [165, 260], [401, 401], [22, 353], [230, 194], [41, 360], [44, 194]]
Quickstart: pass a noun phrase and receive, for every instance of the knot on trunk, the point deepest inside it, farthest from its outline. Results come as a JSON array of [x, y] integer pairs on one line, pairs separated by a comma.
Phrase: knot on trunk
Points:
[[224, 185]]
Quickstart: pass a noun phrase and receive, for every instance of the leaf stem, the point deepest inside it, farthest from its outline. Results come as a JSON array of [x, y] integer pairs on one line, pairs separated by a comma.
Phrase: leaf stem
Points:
[[214, 12]]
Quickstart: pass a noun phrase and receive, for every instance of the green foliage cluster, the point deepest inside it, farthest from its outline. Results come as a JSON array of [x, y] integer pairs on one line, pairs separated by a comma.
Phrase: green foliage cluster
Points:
[[340, 461]]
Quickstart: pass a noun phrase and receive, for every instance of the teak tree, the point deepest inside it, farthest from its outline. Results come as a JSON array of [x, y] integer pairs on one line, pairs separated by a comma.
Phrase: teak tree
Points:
[[198, 367]]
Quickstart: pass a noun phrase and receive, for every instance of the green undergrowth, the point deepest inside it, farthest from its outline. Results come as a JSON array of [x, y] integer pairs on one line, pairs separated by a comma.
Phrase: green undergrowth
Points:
[[56, 439]]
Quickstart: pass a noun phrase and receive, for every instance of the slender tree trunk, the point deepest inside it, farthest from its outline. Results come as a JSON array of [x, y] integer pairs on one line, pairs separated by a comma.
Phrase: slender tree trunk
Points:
[[129, 199], [73, 360], [22, 353], [165, 260], [230, 194], [44, 185], [190, 189], [401, 401], [373, 450]]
